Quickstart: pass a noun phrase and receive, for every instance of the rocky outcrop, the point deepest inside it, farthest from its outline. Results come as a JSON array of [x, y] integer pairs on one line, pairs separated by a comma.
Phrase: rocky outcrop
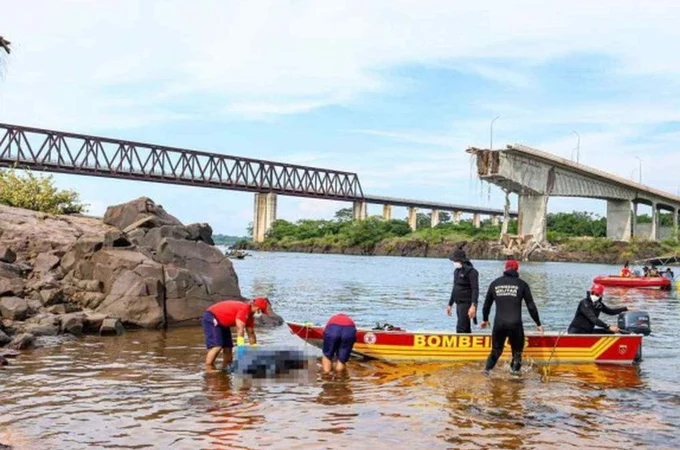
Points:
[[139, 267]]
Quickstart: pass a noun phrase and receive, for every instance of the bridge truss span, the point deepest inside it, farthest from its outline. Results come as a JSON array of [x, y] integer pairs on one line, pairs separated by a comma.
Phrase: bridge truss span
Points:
[[63, 152]]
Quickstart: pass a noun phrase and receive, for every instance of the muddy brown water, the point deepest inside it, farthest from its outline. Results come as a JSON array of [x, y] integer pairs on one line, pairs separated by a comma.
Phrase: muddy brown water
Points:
[[148, 389]]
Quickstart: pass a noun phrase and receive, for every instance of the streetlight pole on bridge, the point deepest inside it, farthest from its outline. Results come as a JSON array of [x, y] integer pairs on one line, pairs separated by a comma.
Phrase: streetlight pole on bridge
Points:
[[639, 169], [578, 146], [491, 132]]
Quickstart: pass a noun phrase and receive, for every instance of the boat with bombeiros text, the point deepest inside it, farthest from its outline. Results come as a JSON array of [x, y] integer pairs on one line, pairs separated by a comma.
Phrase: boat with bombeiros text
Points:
[[441, 346]]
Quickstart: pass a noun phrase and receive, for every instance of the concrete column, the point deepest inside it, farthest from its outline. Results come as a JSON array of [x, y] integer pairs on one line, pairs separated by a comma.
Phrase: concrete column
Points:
[[654, 234], [435, 218], [532, 216], [412, 219], [359, 210], [456, 217], [387, 212], [495, 220], [476, 220], [264, 215], [675, 224], [619, 220], [634, 224]]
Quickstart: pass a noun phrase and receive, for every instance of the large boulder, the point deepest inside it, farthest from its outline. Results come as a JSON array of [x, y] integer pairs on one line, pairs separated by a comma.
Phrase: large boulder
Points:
[[45, 262], [197, 276], [153, 237], [4, 339], [13, 308], [142, 212], [200, 232]]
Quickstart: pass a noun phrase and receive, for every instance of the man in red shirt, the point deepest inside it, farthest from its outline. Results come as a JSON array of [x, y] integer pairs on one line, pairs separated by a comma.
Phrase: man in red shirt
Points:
[[218, 320], [339, 336]]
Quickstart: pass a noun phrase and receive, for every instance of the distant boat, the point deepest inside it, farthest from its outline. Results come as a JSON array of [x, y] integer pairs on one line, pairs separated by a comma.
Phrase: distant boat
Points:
[[236, 254]]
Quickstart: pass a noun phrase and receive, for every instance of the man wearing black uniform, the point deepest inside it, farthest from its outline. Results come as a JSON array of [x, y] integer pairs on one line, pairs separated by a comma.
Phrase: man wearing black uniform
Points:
[[465, 292], [508, 292], [588, 314]]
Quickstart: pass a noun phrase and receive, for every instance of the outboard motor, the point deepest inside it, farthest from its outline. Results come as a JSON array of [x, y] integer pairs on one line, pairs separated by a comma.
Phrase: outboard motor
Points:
[[635, 322]]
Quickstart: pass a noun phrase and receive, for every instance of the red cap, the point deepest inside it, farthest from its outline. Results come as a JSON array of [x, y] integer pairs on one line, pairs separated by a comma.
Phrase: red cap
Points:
[[511, 264], [261, 303], [597, 289]]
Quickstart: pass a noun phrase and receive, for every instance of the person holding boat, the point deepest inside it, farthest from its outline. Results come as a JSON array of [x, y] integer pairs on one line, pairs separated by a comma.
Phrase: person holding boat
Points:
[[587, 316], [507, 292], [465, 292], [339, 336], [218, 320]]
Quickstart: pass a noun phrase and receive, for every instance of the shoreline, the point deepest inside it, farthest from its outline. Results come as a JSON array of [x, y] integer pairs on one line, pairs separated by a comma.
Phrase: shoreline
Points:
[[582, 251]]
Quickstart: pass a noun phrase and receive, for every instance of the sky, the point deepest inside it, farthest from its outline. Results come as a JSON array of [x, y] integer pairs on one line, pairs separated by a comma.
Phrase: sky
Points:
[[393, 90]]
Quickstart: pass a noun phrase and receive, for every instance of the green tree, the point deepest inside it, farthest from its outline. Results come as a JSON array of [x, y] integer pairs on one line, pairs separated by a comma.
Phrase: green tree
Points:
[[344, 215], [423, 221], [38, 193]]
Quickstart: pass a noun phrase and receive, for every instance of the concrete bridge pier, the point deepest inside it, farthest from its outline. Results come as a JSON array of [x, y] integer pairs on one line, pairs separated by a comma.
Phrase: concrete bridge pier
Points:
[[412, 218], [264, 215], [476, 220], [619, 220], [532, 216], [359, 210], [435, 218], [495, 220], [456, 217], [387, 212]]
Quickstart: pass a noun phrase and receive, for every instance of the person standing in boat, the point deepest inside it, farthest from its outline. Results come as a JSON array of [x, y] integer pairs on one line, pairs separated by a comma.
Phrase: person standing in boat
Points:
[[465, 292], [508, 292], [587, 315], [339, 337]]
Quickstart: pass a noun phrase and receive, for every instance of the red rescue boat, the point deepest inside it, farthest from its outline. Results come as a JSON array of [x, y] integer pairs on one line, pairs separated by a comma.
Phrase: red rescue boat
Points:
[[633, 282], [401, 345]]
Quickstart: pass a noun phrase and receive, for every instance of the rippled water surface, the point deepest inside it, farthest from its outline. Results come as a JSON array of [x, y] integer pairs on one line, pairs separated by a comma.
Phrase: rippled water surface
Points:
[[149, 389]]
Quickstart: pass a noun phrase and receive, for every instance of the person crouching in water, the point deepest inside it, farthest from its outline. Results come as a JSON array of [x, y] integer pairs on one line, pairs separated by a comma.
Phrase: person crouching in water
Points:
[[339, 337], [508, 292], [218, 320], [588, 312]]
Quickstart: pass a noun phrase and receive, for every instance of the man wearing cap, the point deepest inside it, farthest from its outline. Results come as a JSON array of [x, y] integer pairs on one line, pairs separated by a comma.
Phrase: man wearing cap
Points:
[[587, 315], [218, 320], [508, 292], [465, 292]]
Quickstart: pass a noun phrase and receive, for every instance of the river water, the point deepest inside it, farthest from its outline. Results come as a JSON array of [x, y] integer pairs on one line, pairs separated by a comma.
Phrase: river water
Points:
[[149, 389]]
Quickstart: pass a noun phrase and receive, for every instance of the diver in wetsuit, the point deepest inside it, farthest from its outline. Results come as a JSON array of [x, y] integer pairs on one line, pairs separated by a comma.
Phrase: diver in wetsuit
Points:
[[588, 312], [508, 292], [465, 292]]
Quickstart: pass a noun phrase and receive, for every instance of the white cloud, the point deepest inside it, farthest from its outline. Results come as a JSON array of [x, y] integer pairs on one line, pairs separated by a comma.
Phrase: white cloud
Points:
[[272, 57]]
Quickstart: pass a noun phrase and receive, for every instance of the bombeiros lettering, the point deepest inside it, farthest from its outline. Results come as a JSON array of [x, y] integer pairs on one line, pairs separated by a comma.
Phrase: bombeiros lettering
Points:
[[456, 341]]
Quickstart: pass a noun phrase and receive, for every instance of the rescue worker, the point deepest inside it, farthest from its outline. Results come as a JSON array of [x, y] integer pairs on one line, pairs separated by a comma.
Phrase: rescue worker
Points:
[[588, 312], [218, 320], [465, 292], [654, 272], [625, 272], [508, 292], [339, 336]]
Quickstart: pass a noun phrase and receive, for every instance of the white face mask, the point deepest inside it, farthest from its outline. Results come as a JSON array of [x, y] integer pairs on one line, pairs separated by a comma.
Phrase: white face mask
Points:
[[594, 297], [258, 314], [457, 265]]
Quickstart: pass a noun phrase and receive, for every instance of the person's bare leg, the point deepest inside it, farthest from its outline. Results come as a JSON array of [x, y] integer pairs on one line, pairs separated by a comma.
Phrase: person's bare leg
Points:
[[326, 364], [211, 357], [227, 357], [340, 366]]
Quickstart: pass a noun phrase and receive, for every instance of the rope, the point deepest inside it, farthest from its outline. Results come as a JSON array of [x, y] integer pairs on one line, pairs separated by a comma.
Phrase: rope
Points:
[[546, 368]]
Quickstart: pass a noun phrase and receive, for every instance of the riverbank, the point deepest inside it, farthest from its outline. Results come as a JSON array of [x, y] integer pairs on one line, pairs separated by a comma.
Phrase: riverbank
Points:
[[580, 250]]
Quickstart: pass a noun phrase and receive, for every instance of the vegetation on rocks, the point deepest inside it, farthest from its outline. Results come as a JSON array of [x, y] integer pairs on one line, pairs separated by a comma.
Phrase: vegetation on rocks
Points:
[[37, 193]]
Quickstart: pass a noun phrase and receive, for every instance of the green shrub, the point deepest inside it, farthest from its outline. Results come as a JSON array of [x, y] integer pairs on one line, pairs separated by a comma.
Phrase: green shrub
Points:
[[37, 193]]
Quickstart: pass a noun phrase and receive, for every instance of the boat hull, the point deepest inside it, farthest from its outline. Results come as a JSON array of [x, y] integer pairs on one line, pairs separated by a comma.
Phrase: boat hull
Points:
[[434, 346], [633, 282]]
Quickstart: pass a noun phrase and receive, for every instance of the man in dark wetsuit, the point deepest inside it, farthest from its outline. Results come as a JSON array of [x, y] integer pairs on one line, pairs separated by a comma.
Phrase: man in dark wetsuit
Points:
[[588, 312], [465, 292], [508, 292]]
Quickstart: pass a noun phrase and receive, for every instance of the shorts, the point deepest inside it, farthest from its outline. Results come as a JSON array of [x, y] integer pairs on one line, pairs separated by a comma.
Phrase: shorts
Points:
[[338, 341], [215, 335]]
